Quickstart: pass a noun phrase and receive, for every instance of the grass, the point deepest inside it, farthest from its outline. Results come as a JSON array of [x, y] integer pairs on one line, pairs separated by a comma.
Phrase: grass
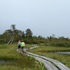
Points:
[[48, 51], [10, 59]]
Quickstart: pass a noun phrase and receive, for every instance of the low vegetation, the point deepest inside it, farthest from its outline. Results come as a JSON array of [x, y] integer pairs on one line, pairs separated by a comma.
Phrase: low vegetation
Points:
[[10, 59], [51, 52]]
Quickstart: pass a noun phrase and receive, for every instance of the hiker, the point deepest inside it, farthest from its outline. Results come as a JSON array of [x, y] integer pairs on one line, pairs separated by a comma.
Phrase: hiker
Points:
[[22, 46], [19, 44]]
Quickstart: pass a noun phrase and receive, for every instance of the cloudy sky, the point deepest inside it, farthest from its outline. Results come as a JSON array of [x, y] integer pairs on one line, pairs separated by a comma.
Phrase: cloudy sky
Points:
[[43, 17]]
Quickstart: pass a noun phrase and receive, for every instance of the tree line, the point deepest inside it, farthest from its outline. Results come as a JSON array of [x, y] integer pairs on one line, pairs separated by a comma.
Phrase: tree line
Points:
[[12, 35]]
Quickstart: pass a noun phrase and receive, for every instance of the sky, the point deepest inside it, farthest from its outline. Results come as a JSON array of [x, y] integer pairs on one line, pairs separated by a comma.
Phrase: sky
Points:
[[43, 17]]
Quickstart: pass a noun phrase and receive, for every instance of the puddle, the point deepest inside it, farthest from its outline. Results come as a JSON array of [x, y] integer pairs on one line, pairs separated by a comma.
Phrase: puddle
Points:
[[68, 53], [6, 61]]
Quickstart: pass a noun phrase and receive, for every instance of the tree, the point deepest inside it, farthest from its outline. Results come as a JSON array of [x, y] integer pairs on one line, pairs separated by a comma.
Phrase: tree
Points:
[[23, 34], [13, 27], [12, 35], [28, 33], [7, 35]]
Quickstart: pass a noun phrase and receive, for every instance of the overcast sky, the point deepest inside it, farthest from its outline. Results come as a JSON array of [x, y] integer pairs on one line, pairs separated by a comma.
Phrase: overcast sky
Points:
[[43, 17]]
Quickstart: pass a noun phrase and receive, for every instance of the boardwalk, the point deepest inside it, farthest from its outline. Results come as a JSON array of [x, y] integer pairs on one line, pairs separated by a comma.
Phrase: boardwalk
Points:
[[50, 64]]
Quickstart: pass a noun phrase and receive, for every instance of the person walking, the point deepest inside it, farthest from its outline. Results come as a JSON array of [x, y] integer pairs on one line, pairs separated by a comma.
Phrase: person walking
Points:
[[22, 46], [19, 44]]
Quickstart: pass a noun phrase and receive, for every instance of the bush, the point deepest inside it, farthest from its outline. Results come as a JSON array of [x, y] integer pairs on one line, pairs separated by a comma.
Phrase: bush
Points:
[[2, 41]]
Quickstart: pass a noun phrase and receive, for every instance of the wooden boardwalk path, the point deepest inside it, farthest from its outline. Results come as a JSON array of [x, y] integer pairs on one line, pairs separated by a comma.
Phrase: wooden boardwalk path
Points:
[[50, 64]]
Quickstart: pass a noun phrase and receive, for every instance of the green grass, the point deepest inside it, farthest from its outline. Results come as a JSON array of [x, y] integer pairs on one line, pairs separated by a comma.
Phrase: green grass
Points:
[[48, 51], [10, 59]]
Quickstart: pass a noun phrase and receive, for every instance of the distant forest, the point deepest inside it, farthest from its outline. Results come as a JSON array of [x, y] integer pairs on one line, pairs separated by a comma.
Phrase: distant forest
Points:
[[12, 35]]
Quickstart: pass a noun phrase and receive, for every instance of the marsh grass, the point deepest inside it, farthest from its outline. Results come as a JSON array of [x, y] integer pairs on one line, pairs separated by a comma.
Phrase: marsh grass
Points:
[[48, 51], [10, 59]]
